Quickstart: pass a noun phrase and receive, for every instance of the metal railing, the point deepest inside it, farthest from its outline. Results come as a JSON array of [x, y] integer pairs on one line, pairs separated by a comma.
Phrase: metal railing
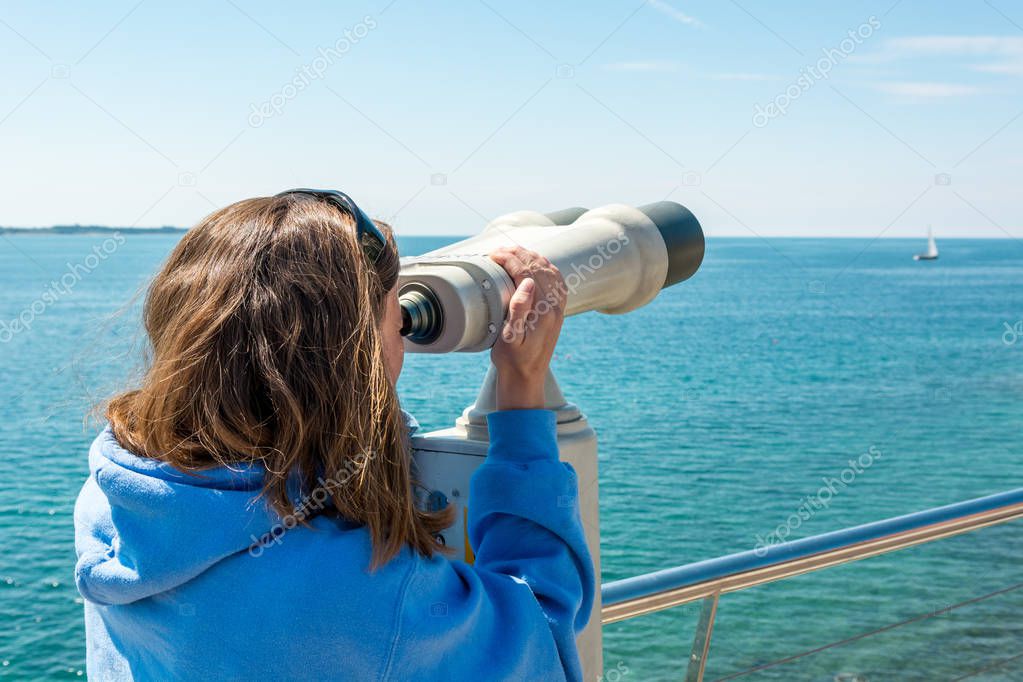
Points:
[[708, 580]]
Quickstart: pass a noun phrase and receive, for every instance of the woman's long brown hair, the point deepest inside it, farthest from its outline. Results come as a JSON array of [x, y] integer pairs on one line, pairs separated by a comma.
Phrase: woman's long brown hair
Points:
[[265, 348]]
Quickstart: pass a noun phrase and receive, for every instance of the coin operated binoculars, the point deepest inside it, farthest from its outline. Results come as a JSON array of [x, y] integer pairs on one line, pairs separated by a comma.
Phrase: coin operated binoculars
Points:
[[613, 259]]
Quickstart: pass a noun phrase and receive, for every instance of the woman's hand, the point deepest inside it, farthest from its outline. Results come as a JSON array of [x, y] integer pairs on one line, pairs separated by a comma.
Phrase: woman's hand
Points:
[[537, 308]]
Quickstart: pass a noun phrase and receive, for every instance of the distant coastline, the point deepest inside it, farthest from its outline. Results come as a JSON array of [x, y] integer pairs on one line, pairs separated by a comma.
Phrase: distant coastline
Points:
[[91, 229]]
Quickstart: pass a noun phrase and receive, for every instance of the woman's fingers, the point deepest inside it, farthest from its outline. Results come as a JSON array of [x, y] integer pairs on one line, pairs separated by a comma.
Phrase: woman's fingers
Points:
[[513, 260], [518, 310], [528, 337], [521, 263]]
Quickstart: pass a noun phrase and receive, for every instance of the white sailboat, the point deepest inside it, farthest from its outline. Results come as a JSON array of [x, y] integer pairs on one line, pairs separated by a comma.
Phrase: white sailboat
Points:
[[932, 248]]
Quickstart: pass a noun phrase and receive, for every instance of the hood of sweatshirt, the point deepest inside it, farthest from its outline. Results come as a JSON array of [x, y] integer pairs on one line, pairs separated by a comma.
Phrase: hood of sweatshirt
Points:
[[143, 527]]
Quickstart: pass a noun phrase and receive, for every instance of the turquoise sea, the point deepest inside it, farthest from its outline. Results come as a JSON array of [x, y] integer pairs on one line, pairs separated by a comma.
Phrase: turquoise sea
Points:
[[721, 408]]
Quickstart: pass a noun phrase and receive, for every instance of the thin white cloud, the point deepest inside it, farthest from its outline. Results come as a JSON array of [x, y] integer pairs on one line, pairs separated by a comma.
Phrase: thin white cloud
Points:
[[650, 66], [1006, 68], [676, 14], [741, 77], [999, 54], [668, 66], [918, 89], [956, 45]]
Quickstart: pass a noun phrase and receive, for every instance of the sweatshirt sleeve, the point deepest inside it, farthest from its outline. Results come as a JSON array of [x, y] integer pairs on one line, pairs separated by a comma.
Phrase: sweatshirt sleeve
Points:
[[514, 613]]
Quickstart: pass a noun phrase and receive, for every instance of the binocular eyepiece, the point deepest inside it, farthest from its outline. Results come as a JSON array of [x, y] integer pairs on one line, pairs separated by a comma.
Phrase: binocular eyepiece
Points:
[[421, 314], [614, 259]]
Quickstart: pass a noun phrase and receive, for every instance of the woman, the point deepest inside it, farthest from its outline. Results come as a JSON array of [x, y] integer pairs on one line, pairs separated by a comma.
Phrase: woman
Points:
[[251, 511]]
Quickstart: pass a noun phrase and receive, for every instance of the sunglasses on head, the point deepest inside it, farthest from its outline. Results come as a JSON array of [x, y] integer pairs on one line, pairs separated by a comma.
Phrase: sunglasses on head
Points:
[[369, 235]]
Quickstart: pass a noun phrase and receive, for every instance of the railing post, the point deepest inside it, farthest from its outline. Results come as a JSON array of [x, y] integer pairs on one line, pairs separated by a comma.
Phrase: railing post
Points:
[[701, 640]]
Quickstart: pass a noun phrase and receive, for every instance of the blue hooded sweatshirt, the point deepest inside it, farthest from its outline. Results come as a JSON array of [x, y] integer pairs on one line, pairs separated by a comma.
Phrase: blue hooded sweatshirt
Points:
[[176, 588]]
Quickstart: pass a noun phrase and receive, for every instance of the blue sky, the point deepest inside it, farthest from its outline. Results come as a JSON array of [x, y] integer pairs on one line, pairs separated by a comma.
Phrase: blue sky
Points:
[[439, 116]]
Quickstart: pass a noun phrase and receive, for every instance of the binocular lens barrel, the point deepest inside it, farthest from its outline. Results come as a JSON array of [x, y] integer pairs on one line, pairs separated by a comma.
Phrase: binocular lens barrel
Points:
[[683, 238], [423, 313]]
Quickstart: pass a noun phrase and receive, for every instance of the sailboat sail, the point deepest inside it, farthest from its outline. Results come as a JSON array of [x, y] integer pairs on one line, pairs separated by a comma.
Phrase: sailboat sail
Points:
[[932, 247]]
